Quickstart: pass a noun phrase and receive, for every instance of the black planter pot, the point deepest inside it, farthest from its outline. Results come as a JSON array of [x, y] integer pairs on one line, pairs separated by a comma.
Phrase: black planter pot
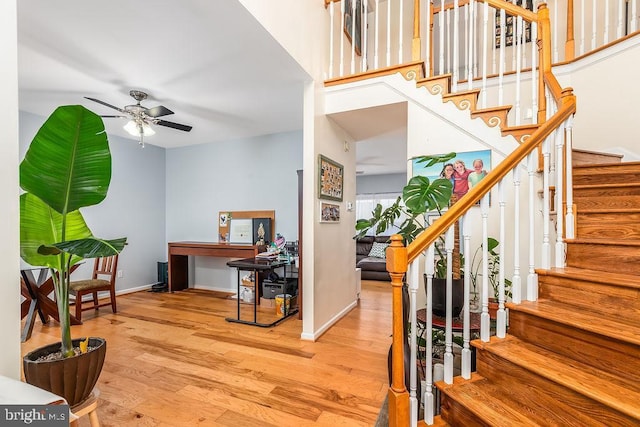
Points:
[[440, 296], [72, 378]]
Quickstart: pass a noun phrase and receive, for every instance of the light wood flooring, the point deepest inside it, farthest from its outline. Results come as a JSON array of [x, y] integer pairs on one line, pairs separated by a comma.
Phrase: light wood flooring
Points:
[[172, 360]]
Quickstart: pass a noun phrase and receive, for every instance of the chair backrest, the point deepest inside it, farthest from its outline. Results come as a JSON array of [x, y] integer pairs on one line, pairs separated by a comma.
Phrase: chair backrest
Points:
[[106, 266]]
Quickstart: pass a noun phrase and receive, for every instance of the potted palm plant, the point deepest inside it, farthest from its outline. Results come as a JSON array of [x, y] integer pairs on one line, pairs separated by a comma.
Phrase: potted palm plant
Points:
[[419, 197], [67, 167], [493, 275]]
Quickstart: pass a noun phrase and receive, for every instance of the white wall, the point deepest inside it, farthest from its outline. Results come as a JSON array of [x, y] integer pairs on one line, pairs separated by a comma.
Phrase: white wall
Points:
[[247, 174], [9, 226], [301, 27], [134, 206]]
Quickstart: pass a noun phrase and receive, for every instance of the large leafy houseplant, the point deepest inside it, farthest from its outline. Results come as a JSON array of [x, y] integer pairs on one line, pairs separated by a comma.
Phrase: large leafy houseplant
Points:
[[67, 167]]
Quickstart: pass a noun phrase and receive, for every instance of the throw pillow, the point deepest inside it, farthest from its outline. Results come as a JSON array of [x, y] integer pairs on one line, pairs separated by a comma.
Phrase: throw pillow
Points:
[[378, 250]]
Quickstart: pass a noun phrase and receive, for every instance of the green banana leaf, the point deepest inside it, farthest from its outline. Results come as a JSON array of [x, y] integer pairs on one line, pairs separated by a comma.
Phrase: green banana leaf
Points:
[[41, 225], [68, 164]]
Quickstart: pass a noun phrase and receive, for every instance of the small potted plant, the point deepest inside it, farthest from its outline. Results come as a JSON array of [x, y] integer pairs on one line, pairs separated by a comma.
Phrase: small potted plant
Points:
[[493, 275], [67, 167]]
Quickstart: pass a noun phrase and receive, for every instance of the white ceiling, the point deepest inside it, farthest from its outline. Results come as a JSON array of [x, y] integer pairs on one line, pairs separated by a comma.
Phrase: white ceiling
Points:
[[208, 61]]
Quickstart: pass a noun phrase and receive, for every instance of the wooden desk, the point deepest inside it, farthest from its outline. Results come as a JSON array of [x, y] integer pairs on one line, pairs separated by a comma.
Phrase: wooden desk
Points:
[[179, 252]]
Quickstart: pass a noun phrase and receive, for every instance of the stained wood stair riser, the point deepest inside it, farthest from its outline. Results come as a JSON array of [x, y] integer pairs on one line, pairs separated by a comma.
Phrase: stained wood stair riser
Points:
[[608, 225], [605, 299], [599, 351], [616, 257], [554, 403], [585, 157], [607, 201], [622, 173]]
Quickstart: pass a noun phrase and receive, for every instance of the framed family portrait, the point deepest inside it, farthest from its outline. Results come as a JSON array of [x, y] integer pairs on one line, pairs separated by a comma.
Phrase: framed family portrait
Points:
[[353, 32], [464, 171], [329, 212], [509, 26], [330, 179]]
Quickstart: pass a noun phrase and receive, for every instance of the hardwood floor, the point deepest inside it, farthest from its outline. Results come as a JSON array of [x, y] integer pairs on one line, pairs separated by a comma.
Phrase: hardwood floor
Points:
[[172, 360]]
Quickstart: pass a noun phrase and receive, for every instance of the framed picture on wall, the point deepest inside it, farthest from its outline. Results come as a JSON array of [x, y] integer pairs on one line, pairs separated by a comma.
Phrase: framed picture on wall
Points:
[[329, 212], [330, 179], [354, 35], [509, 27]]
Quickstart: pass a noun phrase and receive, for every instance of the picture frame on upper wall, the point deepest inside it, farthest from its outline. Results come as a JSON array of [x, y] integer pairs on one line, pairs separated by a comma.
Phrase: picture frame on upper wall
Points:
[[354, 37], [509, 27], [330, 179], [476, 166], [329, 212]]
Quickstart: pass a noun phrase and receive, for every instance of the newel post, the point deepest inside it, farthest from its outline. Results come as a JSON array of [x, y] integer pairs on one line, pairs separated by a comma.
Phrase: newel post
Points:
[[398, 395]]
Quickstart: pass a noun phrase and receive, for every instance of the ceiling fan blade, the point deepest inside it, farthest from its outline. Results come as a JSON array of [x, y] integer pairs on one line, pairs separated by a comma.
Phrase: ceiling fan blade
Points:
[[173, 125], [158, 111], [106, 104]]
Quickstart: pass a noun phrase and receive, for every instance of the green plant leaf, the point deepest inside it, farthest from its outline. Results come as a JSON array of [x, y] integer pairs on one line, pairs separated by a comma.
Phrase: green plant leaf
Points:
[[435, 159], [92, 247], [68, 164], [40, 225], [420, 195]]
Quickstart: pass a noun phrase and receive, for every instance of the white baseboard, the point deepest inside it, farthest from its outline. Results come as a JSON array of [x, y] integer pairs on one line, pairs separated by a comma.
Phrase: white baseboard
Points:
[[132, 290], [215, 288], [315, 335]]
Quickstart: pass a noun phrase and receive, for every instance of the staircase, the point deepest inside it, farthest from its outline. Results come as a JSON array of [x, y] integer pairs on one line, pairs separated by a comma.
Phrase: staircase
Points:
[[572, 358]]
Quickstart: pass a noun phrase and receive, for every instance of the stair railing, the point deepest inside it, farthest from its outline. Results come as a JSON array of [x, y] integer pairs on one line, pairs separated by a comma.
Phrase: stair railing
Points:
[[552, 139]]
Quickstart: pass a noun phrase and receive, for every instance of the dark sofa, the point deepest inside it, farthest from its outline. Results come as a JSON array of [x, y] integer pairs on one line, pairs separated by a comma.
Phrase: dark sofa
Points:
[[373, 268]]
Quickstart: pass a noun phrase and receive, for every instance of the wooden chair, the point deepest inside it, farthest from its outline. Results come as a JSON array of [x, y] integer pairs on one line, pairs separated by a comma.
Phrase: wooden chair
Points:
[[103, 279]]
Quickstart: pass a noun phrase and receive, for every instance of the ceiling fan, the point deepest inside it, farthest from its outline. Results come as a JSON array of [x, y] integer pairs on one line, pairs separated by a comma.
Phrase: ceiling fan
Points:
[[141, 118]]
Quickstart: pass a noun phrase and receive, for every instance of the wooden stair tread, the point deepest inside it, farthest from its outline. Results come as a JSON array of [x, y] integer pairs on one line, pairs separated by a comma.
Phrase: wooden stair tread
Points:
[[618, 279], [606, 165], [598, 153], [583, 319], [461, 93], [484, 400], [611, 242], [492, 109], [606, 185], [596, 384], [612, 211]]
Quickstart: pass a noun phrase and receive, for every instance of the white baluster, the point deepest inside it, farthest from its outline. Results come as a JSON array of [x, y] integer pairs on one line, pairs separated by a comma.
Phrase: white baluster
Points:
[[448, 329], [441, 55], [570, 227], [331, 26], [388, 33], [429, 401], [502, 59], [532, 277], [448, 12], [516, 281], [518, 66], [456, 45], [514, 24], [554, 20], [593, 25], [583, 6], [353, 37], [377, 36], [634, 16], [341, 39], [559, 191], [466, 318], [400, 31], [485, 321], [485, 40], [546, 245], [501, 323], [605, 38], [620, 25], [427, 38], [471, 40], [493, 42], [534, 74], [364, 49], [465, 37], [414, 277]]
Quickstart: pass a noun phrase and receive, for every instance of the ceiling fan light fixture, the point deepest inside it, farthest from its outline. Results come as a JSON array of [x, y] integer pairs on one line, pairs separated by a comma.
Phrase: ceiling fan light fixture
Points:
[[138, 128]]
